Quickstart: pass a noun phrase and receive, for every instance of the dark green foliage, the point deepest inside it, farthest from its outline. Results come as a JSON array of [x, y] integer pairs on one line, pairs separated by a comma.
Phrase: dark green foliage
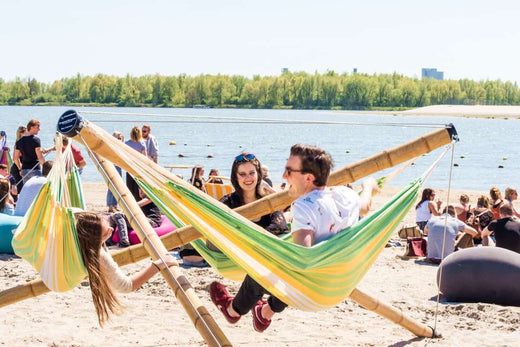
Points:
[[289, 90]]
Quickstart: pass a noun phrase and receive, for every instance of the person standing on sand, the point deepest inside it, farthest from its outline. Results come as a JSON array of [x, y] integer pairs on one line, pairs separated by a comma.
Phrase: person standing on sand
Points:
[[319, 212], [27, 154], [152, 148]]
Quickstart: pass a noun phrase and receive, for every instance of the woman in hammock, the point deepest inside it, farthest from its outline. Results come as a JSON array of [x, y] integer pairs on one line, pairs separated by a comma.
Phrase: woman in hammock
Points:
[[104, 274], [246, 179]]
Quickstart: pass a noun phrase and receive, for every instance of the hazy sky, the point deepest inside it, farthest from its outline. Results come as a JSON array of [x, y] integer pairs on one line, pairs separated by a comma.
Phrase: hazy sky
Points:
[[50, 39]]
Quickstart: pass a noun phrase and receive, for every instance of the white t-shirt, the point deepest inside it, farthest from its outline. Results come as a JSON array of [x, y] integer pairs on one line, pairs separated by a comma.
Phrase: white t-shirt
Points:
[[325, 212]]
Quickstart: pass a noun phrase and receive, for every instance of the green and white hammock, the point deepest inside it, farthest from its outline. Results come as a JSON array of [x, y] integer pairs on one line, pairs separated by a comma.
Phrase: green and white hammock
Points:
[[47, 237]]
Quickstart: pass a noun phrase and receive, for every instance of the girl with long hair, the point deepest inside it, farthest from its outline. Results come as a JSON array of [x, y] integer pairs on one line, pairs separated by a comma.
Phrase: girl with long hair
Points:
[[426, 208], [105, 276]]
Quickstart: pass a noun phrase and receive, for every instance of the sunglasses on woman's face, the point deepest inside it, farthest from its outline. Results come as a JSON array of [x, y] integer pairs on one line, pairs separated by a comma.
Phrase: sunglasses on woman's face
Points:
[[245, 157]]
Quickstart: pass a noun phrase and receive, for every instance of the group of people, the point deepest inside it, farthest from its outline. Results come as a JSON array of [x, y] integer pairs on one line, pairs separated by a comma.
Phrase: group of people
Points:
[[493, 221], [318, 213], [20, 184]]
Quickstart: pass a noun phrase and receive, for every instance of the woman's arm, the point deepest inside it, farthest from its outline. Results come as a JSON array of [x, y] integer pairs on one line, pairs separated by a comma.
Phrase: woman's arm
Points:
[[154, 267]]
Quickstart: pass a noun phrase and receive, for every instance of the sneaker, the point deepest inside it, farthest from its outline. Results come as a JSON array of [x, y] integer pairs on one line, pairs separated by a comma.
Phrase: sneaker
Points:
[[259, 322], [221, 298]]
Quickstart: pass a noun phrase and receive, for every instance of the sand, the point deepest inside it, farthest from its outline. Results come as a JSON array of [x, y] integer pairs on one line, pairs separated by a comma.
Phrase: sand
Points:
[[153, 317]]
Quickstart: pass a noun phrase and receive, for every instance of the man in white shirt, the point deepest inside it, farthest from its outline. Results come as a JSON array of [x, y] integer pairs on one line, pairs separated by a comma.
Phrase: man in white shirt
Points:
[[319, 212]]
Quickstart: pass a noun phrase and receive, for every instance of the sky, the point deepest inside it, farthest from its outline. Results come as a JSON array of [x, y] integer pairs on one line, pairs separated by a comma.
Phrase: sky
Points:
[[50, 40]]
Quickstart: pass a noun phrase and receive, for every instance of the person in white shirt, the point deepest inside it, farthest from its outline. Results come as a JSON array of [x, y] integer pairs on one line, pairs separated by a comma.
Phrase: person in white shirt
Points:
[[318, 212]]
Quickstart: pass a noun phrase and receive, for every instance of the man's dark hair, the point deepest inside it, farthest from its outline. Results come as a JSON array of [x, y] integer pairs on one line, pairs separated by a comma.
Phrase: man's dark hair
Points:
[[450, 209], [46, 167], [315, 161], [506, 210]]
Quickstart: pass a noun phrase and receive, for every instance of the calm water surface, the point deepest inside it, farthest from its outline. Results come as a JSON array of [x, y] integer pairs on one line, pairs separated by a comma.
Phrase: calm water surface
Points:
[[483, 145]]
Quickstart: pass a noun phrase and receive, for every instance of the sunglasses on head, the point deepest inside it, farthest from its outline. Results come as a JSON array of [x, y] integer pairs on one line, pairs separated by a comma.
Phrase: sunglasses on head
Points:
[[245, 157]]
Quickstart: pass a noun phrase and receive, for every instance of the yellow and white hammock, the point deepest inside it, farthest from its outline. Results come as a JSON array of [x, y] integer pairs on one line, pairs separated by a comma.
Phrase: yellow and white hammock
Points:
[[47, 237]]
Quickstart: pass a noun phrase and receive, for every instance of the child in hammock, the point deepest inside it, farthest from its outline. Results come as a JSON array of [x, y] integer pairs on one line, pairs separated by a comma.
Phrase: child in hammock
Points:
[[319, 212], [104, 274]]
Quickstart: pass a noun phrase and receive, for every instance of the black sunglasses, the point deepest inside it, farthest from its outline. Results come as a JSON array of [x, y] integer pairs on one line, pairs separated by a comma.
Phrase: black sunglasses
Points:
[[289, 170], [245, 157]]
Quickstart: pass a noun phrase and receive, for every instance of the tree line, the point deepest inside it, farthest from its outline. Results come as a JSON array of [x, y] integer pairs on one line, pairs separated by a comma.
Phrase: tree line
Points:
[[297, 90]]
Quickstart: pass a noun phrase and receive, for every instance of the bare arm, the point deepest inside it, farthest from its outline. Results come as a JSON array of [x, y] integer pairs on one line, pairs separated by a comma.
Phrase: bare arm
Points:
[[369, 188], [486, 232], [144, 275], [470, 230], [81, 164], [304, 237], [435, 208], [39, 154]]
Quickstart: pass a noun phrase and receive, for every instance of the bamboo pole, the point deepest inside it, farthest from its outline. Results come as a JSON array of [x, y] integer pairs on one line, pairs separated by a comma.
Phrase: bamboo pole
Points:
[[392, 314], [183, 290]]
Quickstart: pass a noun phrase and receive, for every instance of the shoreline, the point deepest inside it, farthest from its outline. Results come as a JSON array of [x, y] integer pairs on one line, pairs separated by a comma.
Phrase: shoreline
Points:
[[153, 317], [471, 111]]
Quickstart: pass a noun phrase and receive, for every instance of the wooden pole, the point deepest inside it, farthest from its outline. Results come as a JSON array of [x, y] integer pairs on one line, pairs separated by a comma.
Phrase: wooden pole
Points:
[[391, 313], [184, 292]]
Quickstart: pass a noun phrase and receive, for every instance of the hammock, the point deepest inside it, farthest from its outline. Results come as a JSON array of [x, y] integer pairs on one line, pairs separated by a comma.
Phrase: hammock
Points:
[[5, 156], [46, 237]]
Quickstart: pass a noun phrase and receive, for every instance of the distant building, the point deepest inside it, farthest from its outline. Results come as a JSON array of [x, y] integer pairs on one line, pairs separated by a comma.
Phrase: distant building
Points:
[[285, 69], [432, 73]]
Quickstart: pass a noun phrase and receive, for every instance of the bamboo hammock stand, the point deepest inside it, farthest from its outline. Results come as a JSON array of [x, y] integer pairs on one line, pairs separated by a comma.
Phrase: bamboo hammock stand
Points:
[[109, 148]]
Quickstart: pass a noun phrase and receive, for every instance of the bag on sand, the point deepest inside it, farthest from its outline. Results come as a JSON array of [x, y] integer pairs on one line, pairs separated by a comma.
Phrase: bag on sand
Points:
[[409, 231], [416, 247]]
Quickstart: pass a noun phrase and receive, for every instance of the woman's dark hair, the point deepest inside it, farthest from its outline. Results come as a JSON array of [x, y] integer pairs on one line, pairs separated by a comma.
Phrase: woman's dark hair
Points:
[[426, 193], [234, 173]]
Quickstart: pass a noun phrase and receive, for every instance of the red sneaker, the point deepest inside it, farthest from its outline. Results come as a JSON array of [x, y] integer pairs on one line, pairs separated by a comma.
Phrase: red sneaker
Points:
[[259, 322], [221, 298]]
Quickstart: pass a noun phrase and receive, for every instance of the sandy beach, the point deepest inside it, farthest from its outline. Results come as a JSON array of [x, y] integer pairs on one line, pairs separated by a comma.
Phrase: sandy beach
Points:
[[153, 316]]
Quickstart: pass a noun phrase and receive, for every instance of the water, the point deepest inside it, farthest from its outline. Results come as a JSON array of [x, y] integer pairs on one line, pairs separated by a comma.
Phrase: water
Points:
[[484, 143]]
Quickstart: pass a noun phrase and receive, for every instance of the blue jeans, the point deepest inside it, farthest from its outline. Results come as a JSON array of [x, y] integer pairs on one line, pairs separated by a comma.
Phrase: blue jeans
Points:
[[111, 199], [27, 174]]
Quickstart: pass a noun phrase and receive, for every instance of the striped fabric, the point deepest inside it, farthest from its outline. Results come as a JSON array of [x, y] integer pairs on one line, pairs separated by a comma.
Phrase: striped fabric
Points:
[[306, 278], [46, 237], [5, 156], [217, 191]]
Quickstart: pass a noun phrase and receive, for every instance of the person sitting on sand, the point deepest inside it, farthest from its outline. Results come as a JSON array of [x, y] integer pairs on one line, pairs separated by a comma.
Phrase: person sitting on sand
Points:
[[213, 177], [480, 217], [246, 179], [6, 200], [506, 230], [426, 208], [495, 202], [197, 178], [319, 212], [510, 195], [463, 209], [104, 274], [436, 249]]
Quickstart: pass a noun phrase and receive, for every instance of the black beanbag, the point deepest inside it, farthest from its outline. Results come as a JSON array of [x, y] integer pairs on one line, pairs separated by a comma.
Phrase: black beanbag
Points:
[[481, 274]]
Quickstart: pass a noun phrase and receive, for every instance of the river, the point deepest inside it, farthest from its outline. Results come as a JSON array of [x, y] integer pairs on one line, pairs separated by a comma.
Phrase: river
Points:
[[485, 144]]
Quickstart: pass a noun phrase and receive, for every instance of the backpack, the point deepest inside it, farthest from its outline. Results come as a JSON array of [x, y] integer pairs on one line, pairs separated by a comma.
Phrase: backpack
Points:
[[479, 221]]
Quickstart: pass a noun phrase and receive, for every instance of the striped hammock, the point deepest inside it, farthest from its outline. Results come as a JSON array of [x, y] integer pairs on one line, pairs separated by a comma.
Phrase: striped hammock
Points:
[[46, 237], [306, 278], [5, 156]]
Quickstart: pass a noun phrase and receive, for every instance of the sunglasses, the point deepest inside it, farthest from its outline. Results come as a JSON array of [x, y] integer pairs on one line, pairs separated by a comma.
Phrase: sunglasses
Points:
[[289, 170], [245, 157]]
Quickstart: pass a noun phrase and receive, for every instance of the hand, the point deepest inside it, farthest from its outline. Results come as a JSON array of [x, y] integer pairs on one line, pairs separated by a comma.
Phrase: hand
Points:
[[168, 259], [370, 185]]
